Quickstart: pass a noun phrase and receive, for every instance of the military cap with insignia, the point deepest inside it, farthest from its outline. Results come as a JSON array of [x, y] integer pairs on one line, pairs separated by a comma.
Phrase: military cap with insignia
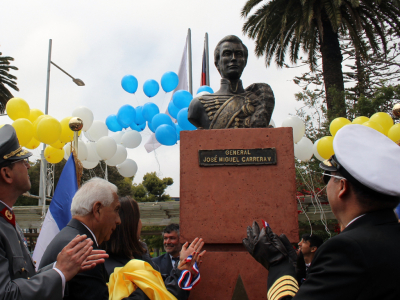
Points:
[[366, 157], [10, 149]]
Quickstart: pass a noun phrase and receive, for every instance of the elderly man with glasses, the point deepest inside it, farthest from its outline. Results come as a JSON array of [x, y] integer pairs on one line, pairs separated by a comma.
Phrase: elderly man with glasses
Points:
[[362, 262], [18, 278]]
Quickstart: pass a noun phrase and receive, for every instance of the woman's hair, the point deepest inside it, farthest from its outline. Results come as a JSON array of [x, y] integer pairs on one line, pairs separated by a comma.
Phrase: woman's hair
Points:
[[125, 240]]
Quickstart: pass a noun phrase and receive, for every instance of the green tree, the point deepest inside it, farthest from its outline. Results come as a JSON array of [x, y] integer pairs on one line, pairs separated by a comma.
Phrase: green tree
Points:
[[316, 26], [152, 189], [6, 79]]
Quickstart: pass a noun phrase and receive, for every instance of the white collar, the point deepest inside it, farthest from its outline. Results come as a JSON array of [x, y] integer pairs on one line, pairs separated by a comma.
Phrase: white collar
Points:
[[6, 205], [354, 219], [94, 237]]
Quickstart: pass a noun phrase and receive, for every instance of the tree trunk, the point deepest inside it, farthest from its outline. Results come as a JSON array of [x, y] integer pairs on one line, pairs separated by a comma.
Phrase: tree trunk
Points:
[[332, 70]]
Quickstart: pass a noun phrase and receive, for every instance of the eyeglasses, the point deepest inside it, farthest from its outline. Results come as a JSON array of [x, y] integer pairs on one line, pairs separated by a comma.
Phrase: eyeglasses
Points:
[[25, 160], [326, 177]]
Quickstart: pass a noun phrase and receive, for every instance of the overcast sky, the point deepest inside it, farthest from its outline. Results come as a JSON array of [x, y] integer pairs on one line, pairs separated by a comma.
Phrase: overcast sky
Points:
[[101, 41]]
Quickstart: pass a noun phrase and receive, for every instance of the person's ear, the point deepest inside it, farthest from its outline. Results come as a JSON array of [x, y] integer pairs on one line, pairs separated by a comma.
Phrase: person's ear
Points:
[[97, 207], [313, 249], [6, 175], [344, 188]]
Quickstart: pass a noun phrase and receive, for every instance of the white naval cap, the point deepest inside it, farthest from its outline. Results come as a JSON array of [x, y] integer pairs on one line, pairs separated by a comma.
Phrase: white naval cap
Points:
[[368, 156]]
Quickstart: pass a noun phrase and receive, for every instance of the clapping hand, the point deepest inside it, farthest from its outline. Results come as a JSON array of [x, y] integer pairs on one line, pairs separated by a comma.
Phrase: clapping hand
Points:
[[194, 250]]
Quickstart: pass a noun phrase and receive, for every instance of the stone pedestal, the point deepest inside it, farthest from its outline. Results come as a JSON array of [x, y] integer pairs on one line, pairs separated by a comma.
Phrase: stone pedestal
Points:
[[217, 203]]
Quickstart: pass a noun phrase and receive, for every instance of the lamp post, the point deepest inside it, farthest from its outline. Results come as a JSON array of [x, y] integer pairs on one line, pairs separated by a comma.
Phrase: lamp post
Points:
[[43, 163]]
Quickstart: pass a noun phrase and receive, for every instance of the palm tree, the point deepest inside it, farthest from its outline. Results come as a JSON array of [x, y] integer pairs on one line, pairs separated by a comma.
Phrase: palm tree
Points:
[[281, 26], [6, 79]]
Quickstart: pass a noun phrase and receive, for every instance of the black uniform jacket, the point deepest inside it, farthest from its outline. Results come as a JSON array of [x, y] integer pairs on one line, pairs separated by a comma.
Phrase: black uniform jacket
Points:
[[362, 262], [84, 286]]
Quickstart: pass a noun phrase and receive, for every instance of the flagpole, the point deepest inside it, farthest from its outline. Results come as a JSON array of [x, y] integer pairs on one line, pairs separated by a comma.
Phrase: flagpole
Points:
[[207, 62], [189, 37]]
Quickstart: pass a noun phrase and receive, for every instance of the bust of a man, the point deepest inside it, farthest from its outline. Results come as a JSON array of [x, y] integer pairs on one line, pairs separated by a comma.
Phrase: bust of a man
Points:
[[232, 106]]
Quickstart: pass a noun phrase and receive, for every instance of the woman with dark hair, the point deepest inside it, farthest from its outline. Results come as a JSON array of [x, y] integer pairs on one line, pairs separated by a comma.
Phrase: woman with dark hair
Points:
[[124, 245]]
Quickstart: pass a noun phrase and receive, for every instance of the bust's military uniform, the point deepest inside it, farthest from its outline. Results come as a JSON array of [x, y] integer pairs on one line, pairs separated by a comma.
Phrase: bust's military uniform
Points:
[[18, 278]]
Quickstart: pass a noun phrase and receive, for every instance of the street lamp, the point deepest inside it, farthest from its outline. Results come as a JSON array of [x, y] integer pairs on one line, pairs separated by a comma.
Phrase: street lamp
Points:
[[43, 163]]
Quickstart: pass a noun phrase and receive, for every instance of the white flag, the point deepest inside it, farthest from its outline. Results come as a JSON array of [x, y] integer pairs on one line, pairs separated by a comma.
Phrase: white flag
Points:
[[152, 143]]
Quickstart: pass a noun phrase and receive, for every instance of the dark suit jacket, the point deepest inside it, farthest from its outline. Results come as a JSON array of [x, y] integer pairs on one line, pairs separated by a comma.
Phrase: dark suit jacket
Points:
[[87, 285], [167, 271], [362, 262], [18, 278]]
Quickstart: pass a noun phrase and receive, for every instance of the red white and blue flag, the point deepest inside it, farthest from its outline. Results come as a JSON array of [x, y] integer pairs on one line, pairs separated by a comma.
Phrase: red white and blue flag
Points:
[[203, 80]]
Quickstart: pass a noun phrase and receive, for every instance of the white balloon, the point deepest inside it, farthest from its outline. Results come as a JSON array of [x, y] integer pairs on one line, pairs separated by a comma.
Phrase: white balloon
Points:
[[89, 164], [298, 127], [87, 135], [117, 136], [67, 150], [85, 114], [315, 151], [92, 155], [131, 139], [97, 130], [82, 151], [128, 168], [106, 147], [272, 123], [119, 156], [202, 93], [303, 150]]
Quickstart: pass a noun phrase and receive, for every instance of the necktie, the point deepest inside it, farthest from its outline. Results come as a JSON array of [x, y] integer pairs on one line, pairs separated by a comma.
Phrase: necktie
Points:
[[175, 260]]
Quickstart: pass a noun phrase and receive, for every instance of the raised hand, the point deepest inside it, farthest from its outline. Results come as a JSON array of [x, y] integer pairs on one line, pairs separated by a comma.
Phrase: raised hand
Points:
[[71, 257], [96, 257]]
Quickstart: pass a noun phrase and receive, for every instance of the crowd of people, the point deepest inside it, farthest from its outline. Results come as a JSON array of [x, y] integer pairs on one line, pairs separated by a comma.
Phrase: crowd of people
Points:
[[99, 255]]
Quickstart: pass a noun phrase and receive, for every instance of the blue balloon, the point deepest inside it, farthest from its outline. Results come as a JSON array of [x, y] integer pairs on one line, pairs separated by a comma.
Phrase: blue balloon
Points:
[[139, 116], [160, 119], [205, 88], [183, 121], [142, 126], [166, 135], [173, 110], [113, 124], [178, 131], [150, 126], [129, 84], [126, 115], [182, 99], [151, 88], [169, 81], [149, 111], [134, 126]]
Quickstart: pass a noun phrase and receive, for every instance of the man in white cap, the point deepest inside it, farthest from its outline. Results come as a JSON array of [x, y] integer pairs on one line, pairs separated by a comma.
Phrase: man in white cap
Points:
[[362, 262]]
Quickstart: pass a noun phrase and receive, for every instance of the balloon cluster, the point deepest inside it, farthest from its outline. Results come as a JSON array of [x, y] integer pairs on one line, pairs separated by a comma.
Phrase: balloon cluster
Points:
[[100, 146]]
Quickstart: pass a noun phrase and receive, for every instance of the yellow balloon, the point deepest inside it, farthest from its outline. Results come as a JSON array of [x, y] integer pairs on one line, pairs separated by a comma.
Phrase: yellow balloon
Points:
[[2, 125], [35, 125], [67, 134], [338, 123], [383, 119], [325, 147], [17, 108], [394, 133], [48, 130], [374, 125], [58, 145], [34, 114], [33, 144], [24, 130], [360, 120], [53, 155]]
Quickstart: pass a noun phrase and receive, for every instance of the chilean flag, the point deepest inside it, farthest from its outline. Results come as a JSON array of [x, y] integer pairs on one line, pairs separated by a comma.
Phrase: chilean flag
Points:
[[203, 80], [59, 213]]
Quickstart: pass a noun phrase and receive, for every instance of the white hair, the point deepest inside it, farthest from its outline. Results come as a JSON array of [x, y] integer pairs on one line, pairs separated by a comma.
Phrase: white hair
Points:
[[96, 189]]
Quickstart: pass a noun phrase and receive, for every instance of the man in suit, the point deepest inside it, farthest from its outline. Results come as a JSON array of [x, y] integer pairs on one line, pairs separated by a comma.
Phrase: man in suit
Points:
[[95, 213], [18, 278], [308, 246], [170, 260], [362, 261]]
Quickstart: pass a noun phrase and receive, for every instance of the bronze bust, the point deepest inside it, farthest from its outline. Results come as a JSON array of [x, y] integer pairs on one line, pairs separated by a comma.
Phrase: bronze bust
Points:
[[232, 106]]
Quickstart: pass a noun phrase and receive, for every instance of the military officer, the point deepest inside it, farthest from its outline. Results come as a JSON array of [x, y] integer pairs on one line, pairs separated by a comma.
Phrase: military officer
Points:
[[18, 278], [362, 262]]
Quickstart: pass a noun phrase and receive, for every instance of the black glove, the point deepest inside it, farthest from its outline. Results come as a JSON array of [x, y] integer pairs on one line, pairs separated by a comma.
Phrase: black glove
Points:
[[290, 250], [264, 246]]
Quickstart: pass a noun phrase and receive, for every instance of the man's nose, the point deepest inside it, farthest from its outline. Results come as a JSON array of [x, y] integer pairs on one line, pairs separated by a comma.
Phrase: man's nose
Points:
[[118, 220]]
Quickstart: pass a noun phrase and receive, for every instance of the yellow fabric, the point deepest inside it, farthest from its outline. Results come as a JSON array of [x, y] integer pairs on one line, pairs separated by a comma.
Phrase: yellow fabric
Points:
[[137, 274]]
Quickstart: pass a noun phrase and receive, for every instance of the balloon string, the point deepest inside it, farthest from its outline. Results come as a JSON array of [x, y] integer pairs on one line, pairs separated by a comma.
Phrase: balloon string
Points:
[[136, 99], [155, 154], [162, 103]]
